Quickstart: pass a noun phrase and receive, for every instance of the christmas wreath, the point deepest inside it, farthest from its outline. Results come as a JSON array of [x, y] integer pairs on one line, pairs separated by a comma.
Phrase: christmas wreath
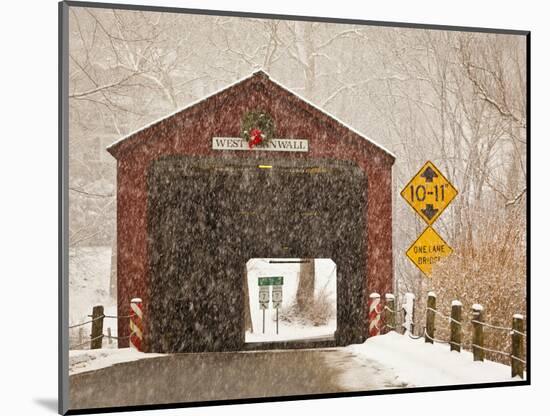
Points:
[[257, 128]]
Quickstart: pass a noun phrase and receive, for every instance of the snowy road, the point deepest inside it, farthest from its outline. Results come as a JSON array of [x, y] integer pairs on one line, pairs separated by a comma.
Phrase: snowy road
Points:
[[214, 376]]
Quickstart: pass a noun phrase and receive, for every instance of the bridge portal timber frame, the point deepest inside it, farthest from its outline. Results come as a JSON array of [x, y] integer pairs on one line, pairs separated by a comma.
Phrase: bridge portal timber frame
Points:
[[182, 142]]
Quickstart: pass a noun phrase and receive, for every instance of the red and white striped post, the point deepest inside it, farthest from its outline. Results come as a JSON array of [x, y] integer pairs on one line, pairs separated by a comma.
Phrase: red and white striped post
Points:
[[375, 310], [136, 323]]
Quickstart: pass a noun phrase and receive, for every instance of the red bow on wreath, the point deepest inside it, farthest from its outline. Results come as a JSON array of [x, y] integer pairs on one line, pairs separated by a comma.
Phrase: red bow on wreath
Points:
[[256, 138]]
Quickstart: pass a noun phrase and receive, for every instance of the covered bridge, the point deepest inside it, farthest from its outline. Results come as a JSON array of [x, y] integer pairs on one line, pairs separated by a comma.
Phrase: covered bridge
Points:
[[195, 203]]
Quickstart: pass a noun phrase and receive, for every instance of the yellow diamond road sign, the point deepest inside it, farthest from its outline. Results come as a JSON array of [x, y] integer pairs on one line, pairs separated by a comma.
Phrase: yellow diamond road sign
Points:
[[429, 193], [427, 250]]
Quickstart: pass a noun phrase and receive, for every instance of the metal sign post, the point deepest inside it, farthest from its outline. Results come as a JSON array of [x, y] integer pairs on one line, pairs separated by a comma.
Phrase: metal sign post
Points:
[[277, 294], [264, 303], [264, 283]]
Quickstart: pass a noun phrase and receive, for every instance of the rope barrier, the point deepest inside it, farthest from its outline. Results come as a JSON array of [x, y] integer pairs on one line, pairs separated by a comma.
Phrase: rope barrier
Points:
[[467, 346], [100, 317], [490, 350], [502, 328], [412, 336], [434, 339], [87, 322], [447, 317], [392, 311], [86, 342], [136, 331], [463, 345], [119, 317], [471, 345], [455, 321], [117, 338], [81, 324], [437, 312], [518, 359]]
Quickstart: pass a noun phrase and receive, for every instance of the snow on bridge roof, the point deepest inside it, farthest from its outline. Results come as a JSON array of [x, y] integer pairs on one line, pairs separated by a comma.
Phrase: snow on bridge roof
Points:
[[253, 74]]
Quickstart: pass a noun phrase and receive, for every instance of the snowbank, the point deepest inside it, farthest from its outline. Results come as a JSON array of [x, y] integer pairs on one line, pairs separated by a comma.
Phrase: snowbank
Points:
[[81, 361], [416, 363]]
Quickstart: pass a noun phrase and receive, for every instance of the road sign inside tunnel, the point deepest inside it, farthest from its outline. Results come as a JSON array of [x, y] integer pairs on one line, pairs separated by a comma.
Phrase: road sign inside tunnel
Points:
[[277, 295], [264, 297], [429, 192], [270, 281]]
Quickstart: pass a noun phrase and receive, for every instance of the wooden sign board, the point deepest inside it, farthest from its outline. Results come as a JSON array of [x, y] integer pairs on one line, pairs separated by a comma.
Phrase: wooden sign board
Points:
[[273, 145]]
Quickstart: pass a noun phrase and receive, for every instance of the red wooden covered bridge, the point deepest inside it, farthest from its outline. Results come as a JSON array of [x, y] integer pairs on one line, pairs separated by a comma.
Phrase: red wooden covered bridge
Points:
[[195, 203]]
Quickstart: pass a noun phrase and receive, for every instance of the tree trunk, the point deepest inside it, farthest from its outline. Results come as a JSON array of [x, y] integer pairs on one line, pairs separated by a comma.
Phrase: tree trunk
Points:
[[306, 284]]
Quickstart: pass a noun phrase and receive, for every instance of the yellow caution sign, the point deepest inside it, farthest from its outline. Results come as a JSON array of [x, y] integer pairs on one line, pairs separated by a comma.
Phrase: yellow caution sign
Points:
[[427, 250], [429, 193]]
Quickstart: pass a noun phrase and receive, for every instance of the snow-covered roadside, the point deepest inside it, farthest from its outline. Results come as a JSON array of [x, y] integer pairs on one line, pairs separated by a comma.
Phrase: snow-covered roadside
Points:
[[89, 280], [416, 363], [81, 361], [293, 332]]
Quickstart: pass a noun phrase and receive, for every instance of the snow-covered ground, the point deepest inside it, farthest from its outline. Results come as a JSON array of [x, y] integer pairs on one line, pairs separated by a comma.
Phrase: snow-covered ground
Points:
[[325, 280], [288, 332], [382, 362], [89, 279], [89, 276], [81, 361], [414, 363], [397, 359]]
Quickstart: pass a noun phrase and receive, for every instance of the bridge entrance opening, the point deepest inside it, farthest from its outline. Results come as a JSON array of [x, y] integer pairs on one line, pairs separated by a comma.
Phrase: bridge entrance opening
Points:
[[207, 217], [291, 300]]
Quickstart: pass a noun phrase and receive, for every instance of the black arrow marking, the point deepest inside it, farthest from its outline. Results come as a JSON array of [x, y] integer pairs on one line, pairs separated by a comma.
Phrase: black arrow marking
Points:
[[430, 211], [429, 174]]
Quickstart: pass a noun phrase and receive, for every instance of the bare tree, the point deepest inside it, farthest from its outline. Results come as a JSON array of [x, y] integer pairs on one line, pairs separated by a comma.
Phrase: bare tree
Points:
[[455, 98]]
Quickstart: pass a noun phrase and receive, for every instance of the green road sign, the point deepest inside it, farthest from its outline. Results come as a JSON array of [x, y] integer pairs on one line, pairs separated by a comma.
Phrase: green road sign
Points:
[[270, 281]]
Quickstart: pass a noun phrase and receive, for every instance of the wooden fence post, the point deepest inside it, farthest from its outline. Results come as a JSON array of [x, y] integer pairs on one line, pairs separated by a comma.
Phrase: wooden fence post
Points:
[[477, 337], [389, 312], [408, 316], [430, 318], [456, 325], [517, 346], [97, 327], [413, 315]]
